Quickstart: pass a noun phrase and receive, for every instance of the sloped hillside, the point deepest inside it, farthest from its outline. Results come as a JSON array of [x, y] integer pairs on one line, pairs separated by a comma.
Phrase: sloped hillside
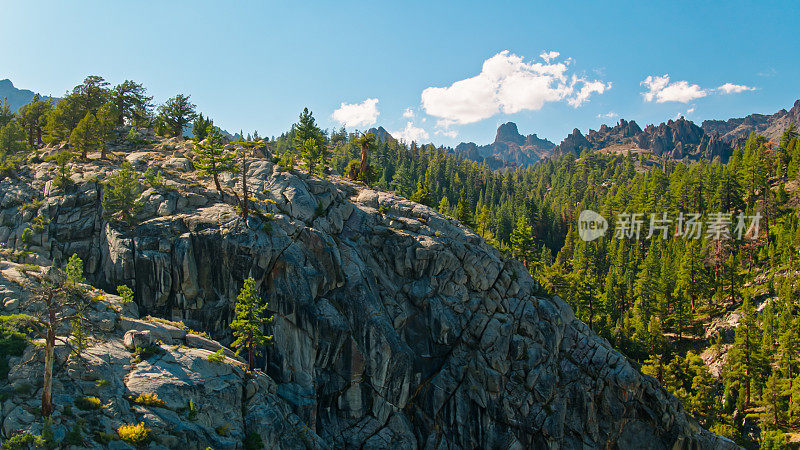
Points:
[[394, 325]]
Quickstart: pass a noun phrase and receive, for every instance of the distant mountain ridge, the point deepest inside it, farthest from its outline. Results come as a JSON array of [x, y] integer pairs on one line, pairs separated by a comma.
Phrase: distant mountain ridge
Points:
[[676, 139], [16, 97], [770, 126], [509, 148]]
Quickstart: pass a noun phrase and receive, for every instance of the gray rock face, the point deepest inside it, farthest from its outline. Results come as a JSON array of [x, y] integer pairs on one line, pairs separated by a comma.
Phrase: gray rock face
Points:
[[509, 149], [204, 400], [770, 126], [399, 328]]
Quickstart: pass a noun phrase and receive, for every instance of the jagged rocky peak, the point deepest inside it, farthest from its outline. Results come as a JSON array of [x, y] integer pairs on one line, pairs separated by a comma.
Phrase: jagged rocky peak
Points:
[[508, 133], [573, 143], [510, 148]]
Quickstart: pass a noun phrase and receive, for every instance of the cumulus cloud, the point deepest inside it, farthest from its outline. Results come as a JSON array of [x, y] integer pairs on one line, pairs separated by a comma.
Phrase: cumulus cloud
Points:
[[507, 84], [547, 56], [661, 90], [408, 113], [357, 114], [410, 134], [730, 88], [587, 90], [608, 115]]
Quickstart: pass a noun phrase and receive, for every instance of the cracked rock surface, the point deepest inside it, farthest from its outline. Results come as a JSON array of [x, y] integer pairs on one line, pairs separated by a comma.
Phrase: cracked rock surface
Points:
[[395, 326]]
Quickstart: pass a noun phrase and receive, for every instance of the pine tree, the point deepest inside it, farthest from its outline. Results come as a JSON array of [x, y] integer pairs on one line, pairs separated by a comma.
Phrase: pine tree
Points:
[[772, 399], [312, 156], [201, 127], [121, 193], [74, 270], [131, 101], [12, 140], [6, 116], [33, 118], [423, 192], [86, 136], [444, 206], [176, 113], [107, 118], [250, 321], [56, 304], [315, 153], [744, 356], [482, 219], [463, 213], [367, 143], [212, 158], [522, 245]]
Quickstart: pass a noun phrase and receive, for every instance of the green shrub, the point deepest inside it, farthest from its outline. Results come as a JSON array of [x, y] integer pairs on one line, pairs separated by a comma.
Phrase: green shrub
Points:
[[88, 403], [142, 353], [27, 237], [126, 293], [149, 399], [135, 434], [30, 268], [253, 441], [75, 435], [134, 138], [22, 441], [120, 194], [102, 383], [23, 389], [217, 357], [13, 339], [192, 413], [74, 269], [104, 438], [153, 178]]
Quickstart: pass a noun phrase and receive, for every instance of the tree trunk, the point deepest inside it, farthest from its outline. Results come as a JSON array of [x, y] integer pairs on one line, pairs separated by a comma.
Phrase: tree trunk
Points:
[[245, 194], [47, 388], [250, 356], [363, 170]]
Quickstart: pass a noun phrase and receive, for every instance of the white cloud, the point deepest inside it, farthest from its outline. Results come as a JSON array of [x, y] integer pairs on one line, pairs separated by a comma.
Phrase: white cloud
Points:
[[587, 90], [410, 134], [507, 84], [357, 114], [408, 113], [449, 133], [661, 90], [608, 115], [547, 56], [690, 110], [730, 88]]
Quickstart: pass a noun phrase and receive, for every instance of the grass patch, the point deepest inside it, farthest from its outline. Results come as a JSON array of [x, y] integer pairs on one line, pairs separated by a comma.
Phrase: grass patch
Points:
[[88, 403]]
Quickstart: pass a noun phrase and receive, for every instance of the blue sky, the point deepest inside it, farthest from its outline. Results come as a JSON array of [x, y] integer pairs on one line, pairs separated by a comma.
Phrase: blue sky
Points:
[[255, 65]]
